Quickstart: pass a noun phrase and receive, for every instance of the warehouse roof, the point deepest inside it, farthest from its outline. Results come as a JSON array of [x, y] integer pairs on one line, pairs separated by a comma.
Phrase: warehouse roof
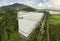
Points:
[[27, 22]]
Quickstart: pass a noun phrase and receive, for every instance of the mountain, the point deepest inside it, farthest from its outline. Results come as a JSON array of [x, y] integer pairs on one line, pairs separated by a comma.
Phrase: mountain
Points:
[[17, 7]]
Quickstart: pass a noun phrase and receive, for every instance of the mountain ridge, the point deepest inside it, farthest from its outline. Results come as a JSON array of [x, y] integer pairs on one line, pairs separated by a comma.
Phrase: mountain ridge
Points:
[[18, 7]]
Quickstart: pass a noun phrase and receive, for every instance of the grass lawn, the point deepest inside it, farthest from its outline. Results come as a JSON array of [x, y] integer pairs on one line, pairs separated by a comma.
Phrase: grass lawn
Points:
[[54, 27]]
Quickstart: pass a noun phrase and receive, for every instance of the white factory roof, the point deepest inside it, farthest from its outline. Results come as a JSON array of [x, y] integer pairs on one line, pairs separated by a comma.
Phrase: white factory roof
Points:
[[54, 12], [27, 21]]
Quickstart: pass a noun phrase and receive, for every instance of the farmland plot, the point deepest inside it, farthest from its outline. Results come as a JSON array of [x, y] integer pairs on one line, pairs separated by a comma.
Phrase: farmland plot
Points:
[[54, 32], [54, 27]]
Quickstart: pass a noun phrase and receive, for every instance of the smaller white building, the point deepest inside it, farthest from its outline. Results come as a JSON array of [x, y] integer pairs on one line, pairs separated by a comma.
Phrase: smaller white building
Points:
[[54, 12]]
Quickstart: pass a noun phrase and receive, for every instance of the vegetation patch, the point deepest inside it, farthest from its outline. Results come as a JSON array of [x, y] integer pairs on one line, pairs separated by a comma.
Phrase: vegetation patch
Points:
[[54, 27], [54, 19], [54, 32]]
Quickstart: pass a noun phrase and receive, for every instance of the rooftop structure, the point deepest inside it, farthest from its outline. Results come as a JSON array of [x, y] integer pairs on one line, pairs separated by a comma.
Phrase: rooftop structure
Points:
[[27, 22]]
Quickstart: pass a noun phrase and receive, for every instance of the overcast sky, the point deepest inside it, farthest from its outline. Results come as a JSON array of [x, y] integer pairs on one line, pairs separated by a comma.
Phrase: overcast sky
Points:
[[39, 4]]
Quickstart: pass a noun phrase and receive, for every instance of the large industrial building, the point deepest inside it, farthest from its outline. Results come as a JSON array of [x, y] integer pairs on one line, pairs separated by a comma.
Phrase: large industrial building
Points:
[[28, 22]]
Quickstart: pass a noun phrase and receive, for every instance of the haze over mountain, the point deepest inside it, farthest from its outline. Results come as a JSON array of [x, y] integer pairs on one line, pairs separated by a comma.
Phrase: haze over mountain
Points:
[[17, 7], [21, 7]]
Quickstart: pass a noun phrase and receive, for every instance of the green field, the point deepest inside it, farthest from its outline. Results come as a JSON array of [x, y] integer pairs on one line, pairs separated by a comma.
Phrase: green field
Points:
[[54, 19], [54, 27]]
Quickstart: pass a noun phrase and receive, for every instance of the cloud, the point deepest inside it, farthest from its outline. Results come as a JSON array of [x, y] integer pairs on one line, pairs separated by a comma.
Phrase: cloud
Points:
[[6, 2], [28, 2], [9, 2], [39, 4], [55, 4]]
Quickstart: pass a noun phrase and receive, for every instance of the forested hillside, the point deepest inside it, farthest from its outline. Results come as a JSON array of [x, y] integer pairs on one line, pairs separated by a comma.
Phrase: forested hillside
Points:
[[9, 23]]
